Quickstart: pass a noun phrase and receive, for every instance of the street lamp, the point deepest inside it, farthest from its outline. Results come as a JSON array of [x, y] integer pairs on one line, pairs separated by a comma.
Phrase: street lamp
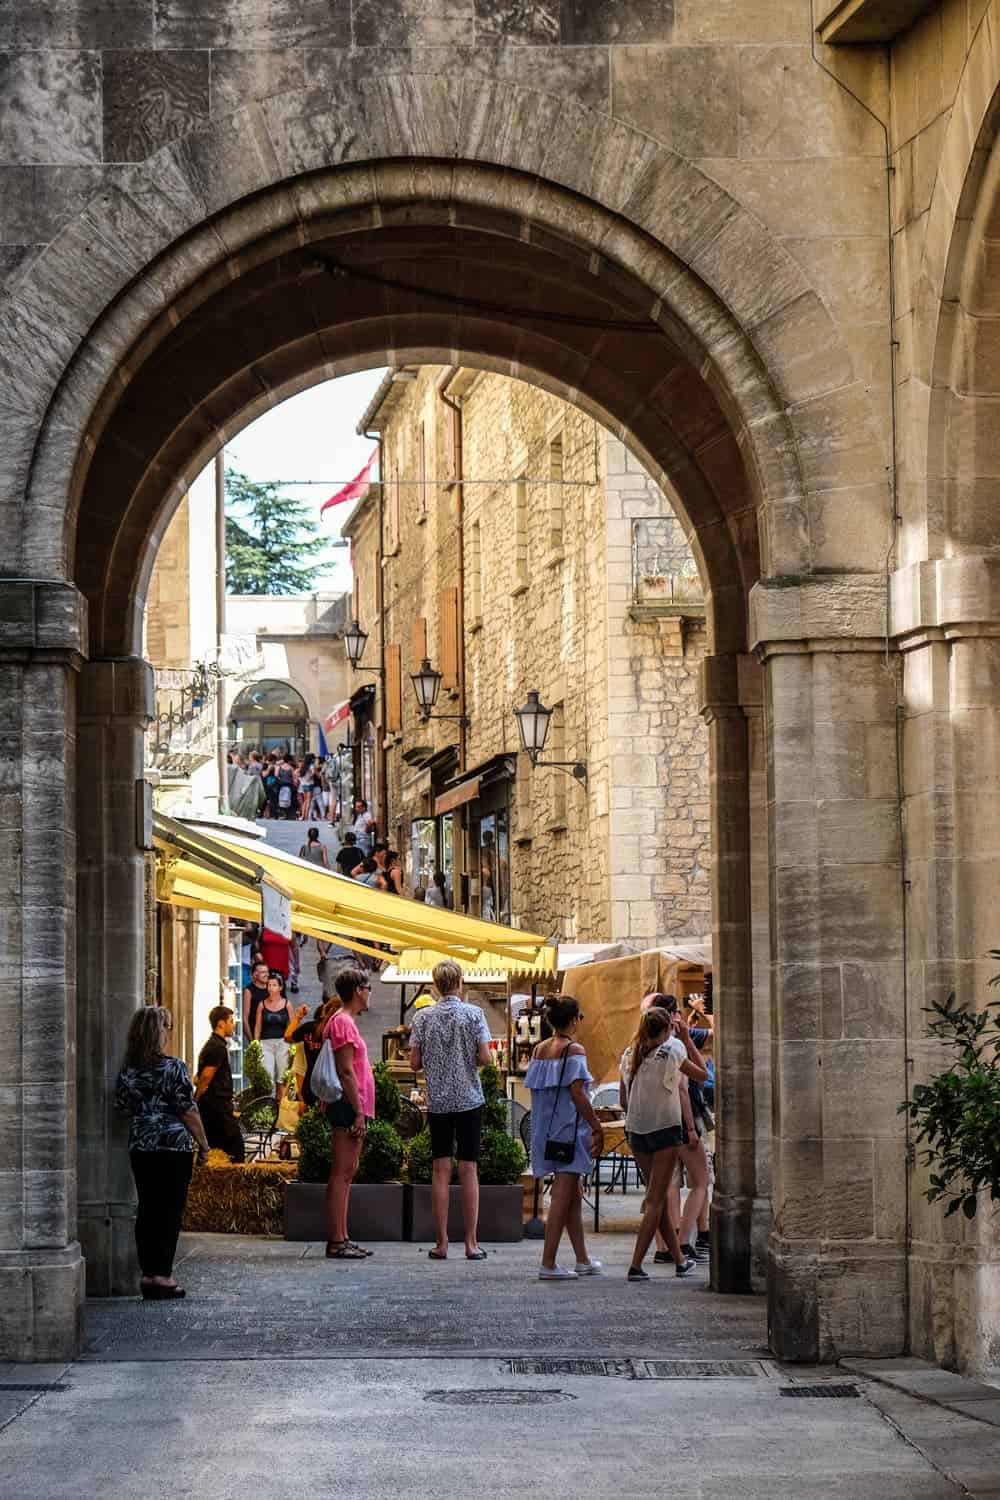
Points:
[[355, 641], [426, 686], [533, 720]]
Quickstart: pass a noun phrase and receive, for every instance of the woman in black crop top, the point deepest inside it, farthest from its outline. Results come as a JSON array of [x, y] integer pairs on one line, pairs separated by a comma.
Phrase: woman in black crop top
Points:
[[274, 1015]]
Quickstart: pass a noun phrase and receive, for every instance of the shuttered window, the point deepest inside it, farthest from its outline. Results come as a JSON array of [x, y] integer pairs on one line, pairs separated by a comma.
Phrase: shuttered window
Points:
[[393, 689], [449, 638]]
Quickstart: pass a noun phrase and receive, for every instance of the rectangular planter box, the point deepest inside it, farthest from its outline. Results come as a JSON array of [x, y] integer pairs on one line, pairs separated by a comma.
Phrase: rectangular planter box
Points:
[[375, 1211], [500, 1214]]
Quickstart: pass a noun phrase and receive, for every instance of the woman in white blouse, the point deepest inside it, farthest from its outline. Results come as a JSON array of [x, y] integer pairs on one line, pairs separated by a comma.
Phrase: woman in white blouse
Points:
[[654, 1120]]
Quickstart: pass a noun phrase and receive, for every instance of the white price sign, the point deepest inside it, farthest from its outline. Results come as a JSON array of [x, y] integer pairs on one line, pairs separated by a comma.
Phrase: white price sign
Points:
[[276, 910]]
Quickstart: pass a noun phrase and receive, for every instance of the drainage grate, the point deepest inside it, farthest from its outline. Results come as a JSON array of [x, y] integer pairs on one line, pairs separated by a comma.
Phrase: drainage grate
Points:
[[831, 1389], [33, 1390], [642, 1369], [696, 1369], [501, 1396], [620, 1367]]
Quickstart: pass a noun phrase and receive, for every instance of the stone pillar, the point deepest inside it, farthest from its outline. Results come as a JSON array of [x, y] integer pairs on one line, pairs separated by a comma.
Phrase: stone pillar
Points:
[[114, 706], [42, 644], [946, 619], [740, 1210], [837, 1272]]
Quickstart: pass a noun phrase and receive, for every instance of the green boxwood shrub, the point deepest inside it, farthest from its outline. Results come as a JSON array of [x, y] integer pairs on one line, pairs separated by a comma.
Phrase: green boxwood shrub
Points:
[[419, 1158], [258, 1086], [382, 1155], [388, 1100], [313, 1136], [501, 1160]]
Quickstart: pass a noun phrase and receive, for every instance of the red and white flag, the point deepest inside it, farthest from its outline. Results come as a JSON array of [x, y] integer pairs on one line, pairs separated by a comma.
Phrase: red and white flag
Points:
[[356, 488]]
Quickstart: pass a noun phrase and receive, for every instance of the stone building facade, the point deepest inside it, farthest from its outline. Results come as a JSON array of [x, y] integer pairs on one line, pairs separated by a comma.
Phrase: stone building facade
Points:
[[506, 558], [758, 243]]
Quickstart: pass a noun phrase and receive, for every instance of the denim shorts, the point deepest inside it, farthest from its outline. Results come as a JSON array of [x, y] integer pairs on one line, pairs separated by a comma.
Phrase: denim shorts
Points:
[[658, 1140]]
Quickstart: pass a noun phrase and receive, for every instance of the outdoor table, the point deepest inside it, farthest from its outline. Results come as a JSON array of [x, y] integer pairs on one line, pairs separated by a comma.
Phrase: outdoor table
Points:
[[616, 1147]]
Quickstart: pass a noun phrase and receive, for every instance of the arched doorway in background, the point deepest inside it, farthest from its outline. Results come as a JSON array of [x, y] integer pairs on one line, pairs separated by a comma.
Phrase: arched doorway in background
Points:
[[270, 715]]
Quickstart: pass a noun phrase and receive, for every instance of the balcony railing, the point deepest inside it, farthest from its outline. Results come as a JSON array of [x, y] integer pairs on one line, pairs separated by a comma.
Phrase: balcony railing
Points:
[[664, 572], [181, 736]]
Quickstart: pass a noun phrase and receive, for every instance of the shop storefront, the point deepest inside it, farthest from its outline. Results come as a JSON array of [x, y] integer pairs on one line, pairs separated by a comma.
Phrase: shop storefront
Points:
[[482, 801]]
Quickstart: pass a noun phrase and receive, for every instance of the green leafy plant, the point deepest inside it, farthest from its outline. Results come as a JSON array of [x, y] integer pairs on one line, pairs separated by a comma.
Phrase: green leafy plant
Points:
[[957, 1114], [388, 1100], [258, 1087], [313, 1136], [381, 1155], [501, 1159], [495, 1105], [420, 1158]]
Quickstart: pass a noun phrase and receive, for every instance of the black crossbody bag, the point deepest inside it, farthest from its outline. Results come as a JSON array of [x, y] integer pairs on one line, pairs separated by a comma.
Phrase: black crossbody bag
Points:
[[562, 1152]]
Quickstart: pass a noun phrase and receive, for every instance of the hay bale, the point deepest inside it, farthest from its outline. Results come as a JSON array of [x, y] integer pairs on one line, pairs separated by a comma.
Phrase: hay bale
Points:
[[231, 1198]]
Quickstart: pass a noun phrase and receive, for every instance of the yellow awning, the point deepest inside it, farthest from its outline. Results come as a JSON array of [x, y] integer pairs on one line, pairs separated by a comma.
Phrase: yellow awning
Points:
[[222, 871], [414, 965]]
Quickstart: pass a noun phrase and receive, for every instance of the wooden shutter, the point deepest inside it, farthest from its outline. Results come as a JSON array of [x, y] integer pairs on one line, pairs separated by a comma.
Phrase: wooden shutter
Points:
[[393, 689], [449, 638], [418, 643]]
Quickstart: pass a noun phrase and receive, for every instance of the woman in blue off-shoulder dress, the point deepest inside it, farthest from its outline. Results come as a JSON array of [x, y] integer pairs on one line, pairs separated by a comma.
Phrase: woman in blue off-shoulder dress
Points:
[[566, 1135]]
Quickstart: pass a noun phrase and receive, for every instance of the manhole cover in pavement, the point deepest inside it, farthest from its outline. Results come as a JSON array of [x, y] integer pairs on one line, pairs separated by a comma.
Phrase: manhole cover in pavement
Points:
[[498, 1397], [830, 1389], [571, 1367]]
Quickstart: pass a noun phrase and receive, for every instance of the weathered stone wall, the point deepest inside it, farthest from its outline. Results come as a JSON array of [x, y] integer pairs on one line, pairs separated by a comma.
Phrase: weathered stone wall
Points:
[[547, 594], [944, 611], [660, 869]]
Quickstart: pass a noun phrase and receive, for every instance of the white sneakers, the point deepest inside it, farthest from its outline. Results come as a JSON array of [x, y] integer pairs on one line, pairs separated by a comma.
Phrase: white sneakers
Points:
[[560, 1273]]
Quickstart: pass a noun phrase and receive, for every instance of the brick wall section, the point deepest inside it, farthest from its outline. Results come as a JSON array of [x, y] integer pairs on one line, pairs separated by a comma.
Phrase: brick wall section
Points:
[[625, 857]]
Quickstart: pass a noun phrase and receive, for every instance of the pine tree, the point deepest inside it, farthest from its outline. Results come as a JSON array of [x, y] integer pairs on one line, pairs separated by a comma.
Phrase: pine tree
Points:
[[270, 541]]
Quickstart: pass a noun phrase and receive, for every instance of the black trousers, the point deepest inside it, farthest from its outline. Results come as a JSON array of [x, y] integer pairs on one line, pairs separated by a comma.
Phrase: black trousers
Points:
[[162, 1179], [222, 1132]]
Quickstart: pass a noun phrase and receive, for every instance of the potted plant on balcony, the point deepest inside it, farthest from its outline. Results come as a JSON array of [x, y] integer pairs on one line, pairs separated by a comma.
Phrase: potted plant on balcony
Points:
[[501, 1162], [375, 1210]]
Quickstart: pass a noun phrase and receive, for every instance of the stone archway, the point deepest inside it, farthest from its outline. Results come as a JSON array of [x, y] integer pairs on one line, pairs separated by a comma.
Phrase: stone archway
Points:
[[239, 223]]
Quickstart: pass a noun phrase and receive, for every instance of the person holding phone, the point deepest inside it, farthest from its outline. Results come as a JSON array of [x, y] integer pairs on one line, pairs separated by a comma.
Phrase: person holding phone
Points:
[[654, 1121]]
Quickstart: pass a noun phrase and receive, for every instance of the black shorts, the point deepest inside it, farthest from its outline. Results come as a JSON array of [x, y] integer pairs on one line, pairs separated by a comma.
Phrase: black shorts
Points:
[[658, 1140], [341, 1115], [457, 1133]]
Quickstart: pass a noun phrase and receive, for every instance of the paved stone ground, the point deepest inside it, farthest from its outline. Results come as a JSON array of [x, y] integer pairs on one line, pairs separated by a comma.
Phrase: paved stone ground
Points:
[[443, 1429], [257, 1299]]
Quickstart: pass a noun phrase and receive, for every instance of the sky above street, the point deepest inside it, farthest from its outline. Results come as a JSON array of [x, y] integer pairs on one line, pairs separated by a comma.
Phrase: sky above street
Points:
[[312, 437]]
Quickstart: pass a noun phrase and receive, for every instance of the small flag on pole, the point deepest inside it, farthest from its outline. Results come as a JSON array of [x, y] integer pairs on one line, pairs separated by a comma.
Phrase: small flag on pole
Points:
[[357, 487]]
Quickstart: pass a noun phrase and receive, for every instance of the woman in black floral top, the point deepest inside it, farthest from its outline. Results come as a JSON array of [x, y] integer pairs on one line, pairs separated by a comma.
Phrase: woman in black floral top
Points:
[[157, 1093]]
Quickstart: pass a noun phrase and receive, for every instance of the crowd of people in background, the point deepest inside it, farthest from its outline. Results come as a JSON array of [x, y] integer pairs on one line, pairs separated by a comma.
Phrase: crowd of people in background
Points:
[[292, 787]]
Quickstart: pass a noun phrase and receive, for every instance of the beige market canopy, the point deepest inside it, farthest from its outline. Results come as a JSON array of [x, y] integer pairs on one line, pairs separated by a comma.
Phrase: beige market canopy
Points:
[[609, 995], [224, 871]]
